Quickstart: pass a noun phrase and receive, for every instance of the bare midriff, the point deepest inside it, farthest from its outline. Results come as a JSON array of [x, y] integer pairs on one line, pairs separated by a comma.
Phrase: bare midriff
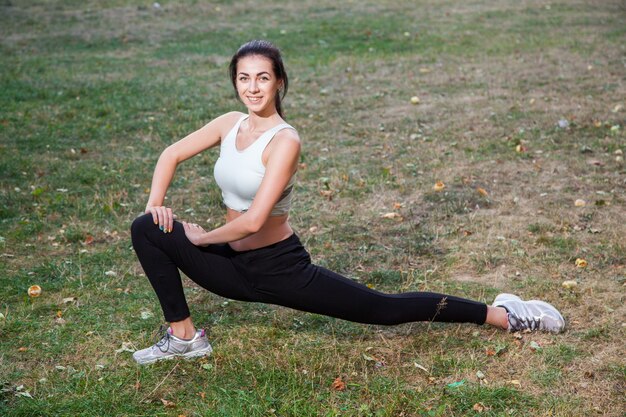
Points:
[[275, 229]]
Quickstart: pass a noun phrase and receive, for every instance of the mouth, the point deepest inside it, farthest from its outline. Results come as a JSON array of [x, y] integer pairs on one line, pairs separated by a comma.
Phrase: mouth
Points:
[[254, 99]]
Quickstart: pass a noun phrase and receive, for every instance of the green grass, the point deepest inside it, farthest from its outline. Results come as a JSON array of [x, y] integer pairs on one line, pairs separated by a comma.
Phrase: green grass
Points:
[[92, 93]]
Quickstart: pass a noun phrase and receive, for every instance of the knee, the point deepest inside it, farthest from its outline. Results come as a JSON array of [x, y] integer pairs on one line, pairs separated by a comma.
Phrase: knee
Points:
[[140, 226]]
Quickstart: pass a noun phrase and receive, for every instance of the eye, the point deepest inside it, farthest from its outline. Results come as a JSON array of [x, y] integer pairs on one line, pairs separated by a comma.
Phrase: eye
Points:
[[265, 78], [243, 79]]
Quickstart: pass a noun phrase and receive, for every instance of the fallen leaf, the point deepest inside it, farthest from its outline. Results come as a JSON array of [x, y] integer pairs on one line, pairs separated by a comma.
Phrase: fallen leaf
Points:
[[145, 315], [580, 203], [478, 407], [415, 100], [202, 394], [520, 149], [418, 366], [490, 351], [167, 403], [34, 291], [397, 206], [482, 192], [597, 123], [439, 186], [23, 394], [480, 375], [515, 382], [338, 384], [569, 284], [59, 320], [126, 347], [68, 300], [534, 346], [88, 240], [110, 273], [581, 263], [59, 314], [327, 193], [22, 349], [392, 215]]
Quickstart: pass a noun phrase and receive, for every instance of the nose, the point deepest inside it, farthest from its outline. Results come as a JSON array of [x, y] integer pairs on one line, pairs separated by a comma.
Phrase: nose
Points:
[[253, 87]]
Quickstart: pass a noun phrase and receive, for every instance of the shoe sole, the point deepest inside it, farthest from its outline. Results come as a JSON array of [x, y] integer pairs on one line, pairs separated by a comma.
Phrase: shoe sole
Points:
[[187, 356]]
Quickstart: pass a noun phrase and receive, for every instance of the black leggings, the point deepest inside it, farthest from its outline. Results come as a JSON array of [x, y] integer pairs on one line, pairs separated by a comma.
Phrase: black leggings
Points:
[[281, 273]]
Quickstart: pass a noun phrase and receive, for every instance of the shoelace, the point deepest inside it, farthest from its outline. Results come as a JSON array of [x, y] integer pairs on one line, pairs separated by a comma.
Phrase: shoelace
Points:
[[163, 338], [519, 323]]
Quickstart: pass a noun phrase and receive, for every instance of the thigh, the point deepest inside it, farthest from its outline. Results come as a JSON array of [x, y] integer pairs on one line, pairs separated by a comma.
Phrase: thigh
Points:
[[210, 267]]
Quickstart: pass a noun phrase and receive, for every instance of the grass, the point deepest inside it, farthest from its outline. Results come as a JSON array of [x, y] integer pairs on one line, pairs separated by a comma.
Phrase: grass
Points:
[[92, 93]]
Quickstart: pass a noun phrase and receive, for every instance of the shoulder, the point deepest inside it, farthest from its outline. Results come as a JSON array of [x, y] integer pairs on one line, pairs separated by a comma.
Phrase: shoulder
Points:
[[285, 146], [228, 120], [287, 136]]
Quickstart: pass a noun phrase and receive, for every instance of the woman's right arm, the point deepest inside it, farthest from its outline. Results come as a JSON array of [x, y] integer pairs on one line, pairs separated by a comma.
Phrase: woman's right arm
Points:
[[191, 145]]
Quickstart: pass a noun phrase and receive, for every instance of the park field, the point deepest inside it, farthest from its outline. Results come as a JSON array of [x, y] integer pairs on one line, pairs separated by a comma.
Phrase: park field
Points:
[[516, 110]]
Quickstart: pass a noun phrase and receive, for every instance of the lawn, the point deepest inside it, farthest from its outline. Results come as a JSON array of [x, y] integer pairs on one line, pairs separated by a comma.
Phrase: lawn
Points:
[[520, 115]]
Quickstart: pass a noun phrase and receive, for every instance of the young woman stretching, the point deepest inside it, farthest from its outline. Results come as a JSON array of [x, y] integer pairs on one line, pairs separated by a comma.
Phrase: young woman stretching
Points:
[[256, 256]]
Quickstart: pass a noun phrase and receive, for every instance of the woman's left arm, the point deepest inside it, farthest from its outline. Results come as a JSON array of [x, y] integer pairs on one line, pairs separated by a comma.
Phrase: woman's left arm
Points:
[[282, 163]]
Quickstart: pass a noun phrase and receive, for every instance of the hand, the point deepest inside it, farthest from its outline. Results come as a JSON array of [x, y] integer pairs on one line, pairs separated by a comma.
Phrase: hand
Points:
[[194, 233], [163, 217]]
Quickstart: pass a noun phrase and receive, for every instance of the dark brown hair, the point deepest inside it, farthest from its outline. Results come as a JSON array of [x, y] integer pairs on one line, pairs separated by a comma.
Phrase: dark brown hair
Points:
[[269, 51]]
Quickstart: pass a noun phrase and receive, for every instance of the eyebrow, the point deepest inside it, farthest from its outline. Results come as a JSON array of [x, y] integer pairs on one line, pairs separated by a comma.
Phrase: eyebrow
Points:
[[262, 72]]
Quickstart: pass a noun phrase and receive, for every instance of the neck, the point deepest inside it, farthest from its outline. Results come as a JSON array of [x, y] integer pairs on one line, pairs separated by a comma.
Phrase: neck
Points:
[[263, 121]]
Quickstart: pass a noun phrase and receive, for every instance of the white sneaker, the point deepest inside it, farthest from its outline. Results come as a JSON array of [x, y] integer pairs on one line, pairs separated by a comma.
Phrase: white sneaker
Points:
[[531, 314], [170, 346]]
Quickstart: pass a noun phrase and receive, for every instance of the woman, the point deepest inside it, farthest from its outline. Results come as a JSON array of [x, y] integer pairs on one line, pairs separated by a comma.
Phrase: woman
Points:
[[256, 256]]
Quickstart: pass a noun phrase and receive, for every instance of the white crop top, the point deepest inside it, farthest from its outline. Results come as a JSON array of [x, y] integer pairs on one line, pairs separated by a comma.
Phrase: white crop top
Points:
[[239, 173]]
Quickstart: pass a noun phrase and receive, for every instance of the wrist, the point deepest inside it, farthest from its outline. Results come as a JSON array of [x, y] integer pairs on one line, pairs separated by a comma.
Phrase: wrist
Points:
[[205, 239]]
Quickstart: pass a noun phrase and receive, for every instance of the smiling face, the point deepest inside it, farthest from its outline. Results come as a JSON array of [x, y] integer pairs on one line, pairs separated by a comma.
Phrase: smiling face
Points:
[[257, 85]]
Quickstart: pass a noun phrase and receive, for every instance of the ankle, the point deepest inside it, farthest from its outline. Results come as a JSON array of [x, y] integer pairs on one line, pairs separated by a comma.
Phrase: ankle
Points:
[[183, 330], [498, 316]]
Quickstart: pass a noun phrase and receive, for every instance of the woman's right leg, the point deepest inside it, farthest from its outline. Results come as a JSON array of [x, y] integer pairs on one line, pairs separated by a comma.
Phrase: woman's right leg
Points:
[[162, 254]]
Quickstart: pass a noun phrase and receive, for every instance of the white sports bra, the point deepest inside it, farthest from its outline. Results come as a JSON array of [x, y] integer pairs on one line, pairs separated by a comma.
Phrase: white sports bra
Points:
[[239, 173]]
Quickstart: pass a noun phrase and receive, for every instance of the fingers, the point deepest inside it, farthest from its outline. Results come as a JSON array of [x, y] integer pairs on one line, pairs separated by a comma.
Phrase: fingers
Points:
[[169, 221], [163, 217]]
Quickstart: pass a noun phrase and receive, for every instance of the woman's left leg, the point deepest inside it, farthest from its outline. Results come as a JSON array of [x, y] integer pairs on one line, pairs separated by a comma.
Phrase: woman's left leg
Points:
[[283, 274], [331, 294]]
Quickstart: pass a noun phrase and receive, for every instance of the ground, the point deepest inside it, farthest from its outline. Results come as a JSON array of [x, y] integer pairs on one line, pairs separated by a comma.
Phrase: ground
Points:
[[521, 117]]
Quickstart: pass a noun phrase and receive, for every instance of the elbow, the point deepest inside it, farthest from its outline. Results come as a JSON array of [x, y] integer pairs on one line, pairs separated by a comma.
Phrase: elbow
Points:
[[254, 223], [169, 155]]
